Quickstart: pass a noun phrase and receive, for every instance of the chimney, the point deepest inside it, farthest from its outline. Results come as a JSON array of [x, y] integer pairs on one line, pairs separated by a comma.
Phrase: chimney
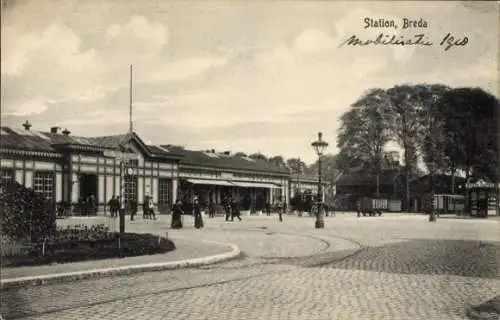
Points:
[[27, 125], [54, 129], [66, 132]]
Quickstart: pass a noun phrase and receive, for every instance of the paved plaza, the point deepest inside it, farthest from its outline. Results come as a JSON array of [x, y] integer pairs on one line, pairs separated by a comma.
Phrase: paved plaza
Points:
[[390, 267]]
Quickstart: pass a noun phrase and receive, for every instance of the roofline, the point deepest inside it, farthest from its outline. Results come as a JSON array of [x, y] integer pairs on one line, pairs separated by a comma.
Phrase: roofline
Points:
[[221, 168], [47, 154]]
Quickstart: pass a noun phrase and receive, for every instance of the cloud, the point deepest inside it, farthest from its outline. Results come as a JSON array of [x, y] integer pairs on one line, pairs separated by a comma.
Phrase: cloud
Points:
[[29, 108], [137, 36], [312, 41], [186, 68]]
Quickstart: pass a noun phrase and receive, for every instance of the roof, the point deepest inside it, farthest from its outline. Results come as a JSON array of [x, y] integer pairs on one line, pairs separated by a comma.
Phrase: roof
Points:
[[118, 142], [224, 160], [31, 140]]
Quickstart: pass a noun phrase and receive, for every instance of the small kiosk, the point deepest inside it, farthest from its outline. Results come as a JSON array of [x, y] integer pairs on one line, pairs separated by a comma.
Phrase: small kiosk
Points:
[[482, 198]]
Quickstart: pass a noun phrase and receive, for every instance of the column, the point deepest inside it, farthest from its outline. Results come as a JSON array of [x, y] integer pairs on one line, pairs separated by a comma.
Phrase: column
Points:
[[76, 188], [175, 183], [59, 186], [140, 189], [19, 176], [28, 179]]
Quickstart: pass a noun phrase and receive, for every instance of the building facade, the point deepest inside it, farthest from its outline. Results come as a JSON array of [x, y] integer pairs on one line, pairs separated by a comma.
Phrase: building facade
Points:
[[82, 170]]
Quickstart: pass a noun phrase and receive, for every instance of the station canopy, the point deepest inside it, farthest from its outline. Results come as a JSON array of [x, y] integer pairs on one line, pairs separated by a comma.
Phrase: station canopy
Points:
[[233, 183]]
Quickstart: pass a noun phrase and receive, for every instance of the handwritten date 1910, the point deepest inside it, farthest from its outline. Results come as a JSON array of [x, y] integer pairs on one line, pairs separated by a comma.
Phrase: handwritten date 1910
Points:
[[450, 41]]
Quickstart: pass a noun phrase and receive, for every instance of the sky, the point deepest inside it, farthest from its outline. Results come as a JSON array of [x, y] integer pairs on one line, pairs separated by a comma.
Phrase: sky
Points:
[[249, 76]]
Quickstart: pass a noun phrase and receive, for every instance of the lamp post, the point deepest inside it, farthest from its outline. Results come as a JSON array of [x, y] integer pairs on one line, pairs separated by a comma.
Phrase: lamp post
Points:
[[320, 147], [432, 215]]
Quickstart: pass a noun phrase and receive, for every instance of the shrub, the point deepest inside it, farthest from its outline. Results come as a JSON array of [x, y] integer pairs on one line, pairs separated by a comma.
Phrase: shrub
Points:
[[61, 250], [25, 214]]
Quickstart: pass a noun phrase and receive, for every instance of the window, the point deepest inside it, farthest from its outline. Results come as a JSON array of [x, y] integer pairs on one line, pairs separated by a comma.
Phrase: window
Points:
[[130, 189], [163, 191], [43, 183], [7, 175]]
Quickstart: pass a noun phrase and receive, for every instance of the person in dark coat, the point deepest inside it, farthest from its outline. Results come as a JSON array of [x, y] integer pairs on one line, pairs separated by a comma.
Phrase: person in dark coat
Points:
[[280, 213], [145, 208], [133, 209], [177, 213], [198, 218], [113, 206], [235, 211], [211, 210], [227, 208]]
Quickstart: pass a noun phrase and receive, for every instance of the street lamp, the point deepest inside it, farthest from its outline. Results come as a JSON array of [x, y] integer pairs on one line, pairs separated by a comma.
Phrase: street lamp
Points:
[[320, 147], [431, 166]]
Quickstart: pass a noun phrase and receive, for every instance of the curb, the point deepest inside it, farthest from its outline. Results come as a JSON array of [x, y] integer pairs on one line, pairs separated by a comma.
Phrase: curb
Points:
[[119, 271], [473, 313]]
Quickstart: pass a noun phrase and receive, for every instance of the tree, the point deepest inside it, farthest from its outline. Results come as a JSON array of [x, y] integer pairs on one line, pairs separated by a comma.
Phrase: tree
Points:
[[277, 161], [409, 106], [296, 165], [240, 154], [258, 156], [364, 132], [470, 127], [330, 174]]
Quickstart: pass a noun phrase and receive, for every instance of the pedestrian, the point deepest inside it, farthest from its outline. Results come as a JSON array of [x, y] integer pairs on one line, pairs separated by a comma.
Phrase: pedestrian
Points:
[[280, 214], [113, 208], [151, 210], [227, 208], [198, 218], [145, 208], [211, 210], [177, 213], [235, 210], [268, 208], [133, 209]]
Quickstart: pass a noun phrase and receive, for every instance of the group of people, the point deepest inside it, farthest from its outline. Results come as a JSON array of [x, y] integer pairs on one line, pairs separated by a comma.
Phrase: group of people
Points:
[[232, 209], [178, 211], [117, 206]]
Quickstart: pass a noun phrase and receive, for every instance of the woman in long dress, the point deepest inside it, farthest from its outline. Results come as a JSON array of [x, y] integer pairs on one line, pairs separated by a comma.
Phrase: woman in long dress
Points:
[[177, 215], [198, 219]]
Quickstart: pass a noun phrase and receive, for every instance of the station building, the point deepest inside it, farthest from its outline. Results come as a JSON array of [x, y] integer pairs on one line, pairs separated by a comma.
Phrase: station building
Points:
[[67, 168]]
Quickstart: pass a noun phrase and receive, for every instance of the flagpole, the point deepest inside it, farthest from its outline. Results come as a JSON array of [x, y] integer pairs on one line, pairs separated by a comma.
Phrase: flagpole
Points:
[[130, 106]]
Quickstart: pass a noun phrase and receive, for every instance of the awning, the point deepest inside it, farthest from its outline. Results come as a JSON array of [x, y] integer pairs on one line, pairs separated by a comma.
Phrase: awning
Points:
[[255, 185], [210, 182]]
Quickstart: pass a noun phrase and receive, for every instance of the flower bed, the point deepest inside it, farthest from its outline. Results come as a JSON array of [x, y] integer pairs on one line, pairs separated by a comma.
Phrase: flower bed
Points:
[[81, 243]]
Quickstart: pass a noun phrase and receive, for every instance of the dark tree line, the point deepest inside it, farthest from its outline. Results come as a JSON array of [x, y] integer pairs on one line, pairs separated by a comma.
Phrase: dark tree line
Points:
[[448, 129]]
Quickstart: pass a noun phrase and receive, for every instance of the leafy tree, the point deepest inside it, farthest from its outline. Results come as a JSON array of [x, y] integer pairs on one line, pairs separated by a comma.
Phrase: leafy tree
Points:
[[470, 127], [258, 156], [409, 106], [278, 161], [240, 154], [365, 131], [296, 165]]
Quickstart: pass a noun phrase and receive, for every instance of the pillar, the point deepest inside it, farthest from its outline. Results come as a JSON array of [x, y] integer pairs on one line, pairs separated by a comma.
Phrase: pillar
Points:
[[175, 186]]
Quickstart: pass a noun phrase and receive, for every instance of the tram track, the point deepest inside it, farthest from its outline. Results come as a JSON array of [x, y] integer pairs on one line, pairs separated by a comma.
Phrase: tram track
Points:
[[304, 261]]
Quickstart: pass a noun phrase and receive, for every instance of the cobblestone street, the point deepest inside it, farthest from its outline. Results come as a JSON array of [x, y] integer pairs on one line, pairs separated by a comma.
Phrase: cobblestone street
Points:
[[389, 267]]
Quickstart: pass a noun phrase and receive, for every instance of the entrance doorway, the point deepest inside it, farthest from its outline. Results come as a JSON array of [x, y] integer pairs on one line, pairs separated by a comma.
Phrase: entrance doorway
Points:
[[88, 194], [88, 185]]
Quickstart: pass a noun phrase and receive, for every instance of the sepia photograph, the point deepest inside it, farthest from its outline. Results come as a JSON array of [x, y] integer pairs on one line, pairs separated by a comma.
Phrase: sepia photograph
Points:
[[239, 159]]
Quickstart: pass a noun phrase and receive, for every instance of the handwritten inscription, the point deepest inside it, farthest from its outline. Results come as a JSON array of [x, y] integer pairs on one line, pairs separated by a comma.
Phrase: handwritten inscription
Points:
[[447, 42], [420, 38]]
